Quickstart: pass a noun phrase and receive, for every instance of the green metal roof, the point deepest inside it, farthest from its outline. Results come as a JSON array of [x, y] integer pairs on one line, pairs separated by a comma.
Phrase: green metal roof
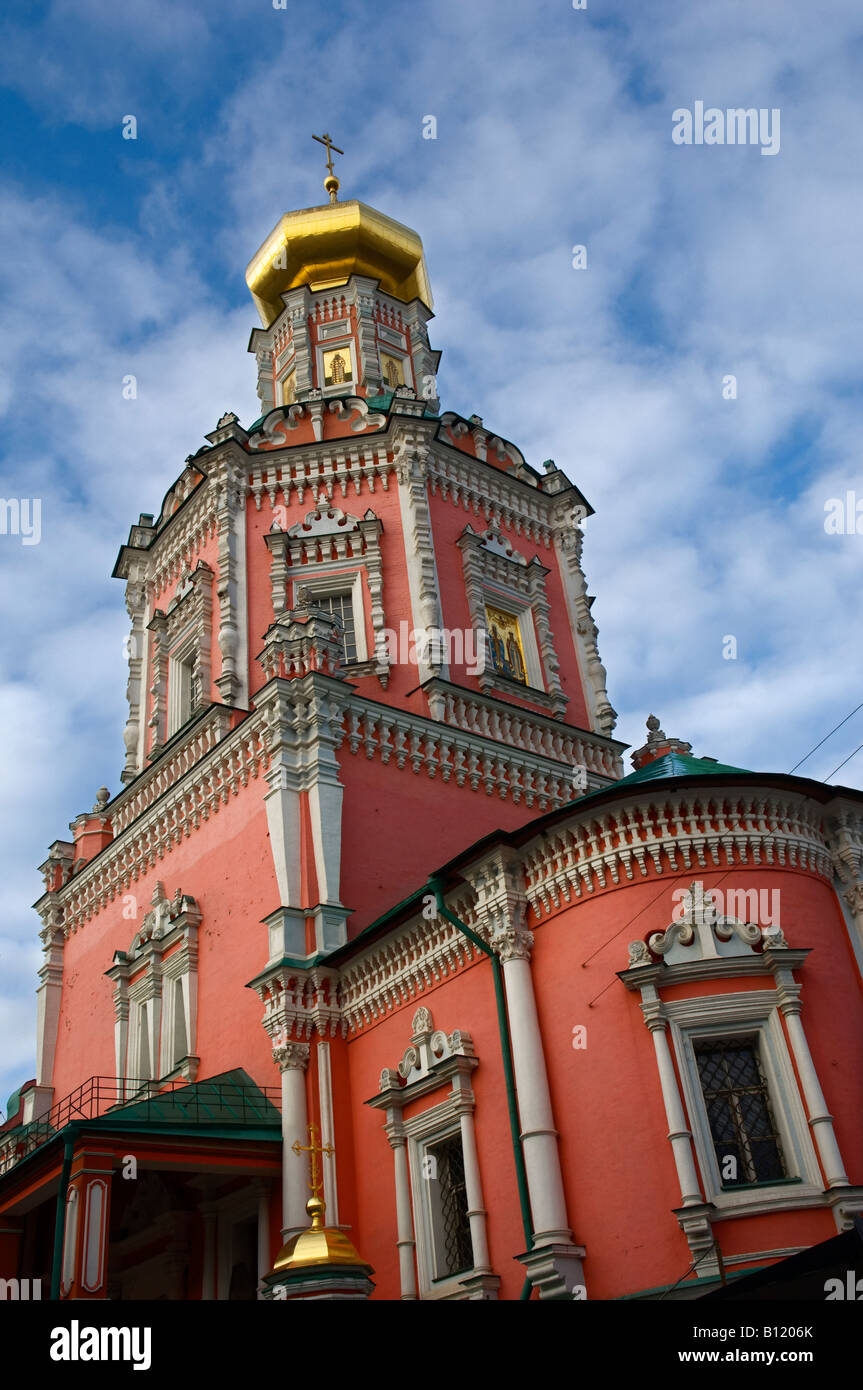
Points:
[[663, 769], [677, 765], [231, 1098]]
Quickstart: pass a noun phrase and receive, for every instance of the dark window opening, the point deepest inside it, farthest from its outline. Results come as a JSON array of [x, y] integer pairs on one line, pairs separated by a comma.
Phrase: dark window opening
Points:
[[745, 1135]]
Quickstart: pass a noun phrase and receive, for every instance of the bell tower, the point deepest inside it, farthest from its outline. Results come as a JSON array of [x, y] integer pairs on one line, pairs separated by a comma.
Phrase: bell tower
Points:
[[344, 298]]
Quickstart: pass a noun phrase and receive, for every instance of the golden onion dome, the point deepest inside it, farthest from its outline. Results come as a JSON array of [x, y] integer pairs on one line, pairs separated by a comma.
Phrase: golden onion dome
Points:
[[322, 246], [319, 1245]]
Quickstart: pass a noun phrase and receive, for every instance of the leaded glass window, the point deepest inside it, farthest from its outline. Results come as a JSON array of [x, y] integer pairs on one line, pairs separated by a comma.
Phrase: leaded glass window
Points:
[[745, 1136], [341, 606], [451, 1227]]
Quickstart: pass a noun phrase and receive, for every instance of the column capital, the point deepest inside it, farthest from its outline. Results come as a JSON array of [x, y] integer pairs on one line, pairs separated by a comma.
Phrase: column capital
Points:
[[291, 1056], [501, 903]]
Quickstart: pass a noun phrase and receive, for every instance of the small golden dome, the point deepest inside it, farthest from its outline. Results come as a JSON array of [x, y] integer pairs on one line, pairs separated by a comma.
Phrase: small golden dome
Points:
[[319, 1245], [323, 246]]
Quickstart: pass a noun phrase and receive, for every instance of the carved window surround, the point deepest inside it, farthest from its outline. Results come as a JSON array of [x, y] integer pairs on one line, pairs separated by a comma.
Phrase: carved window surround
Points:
[[183, 634], [314, 554], [801, 1113], [497, 575], [154, 1020], [432, 1060]]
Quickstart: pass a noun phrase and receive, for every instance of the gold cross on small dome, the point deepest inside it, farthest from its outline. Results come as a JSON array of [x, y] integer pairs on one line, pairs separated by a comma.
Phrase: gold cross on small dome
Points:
[[331, 183], [313, 1149]]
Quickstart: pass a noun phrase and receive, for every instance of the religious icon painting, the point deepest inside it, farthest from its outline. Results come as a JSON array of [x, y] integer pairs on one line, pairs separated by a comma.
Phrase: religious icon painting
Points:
[[393, 370], [338, 367]]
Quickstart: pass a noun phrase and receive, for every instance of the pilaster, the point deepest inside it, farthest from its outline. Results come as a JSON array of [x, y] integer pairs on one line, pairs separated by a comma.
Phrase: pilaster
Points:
[[231, 588]]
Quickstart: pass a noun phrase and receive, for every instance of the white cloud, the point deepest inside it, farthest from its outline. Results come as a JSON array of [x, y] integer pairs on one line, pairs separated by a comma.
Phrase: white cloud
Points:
[[553, 129]]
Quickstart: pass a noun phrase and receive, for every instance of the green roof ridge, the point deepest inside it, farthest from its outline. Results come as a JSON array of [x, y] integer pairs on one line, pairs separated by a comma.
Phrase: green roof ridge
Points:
[[678, 765]]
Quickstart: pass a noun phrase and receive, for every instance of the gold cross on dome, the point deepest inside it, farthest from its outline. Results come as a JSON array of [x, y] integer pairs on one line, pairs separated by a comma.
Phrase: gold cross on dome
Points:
[[326, 140], [313, 1149]]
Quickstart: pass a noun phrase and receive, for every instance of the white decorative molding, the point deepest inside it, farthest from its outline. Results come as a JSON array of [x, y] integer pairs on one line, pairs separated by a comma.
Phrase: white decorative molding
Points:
[[187, 637], [724, 1015], [423, 745], [231, 489], [136, 607], [164, 775], [671, 831], [180, 539], [429, 1046], [340, 464], [525, 730], [417, 957], [568, 542], [154, 1036], [481, 491], [412, 458], [329, 540], [701, 933], [497, 574], [433, 1059]]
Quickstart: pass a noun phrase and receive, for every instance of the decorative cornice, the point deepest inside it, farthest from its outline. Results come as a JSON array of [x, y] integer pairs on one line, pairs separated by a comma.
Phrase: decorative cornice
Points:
[[386, 976], [423, 745], [317, 471], [175, 810], [199, 739], [710, 828], [522, 729], [299, 1002], [500, 903]]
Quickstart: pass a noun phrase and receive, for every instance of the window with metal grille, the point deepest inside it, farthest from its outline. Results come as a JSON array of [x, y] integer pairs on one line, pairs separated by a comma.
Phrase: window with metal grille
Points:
[[739, 1111], [341, 606], [453, 1249]]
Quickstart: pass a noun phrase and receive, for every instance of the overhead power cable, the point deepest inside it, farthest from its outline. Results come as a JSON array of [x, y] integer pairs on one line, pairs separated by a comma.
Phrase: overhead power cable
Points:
[[842, 764], [824, 740]]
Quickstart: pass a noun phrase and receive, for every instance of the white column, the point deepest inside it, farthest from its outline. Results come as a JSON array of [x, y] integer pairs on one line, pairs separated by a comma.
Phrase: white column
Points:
[[678, 1131], [539, 1136], [48, 997], [262, 1190], [820, 1119], [293, 1058], [325, 1094], [473, 1191], [404, 1216]]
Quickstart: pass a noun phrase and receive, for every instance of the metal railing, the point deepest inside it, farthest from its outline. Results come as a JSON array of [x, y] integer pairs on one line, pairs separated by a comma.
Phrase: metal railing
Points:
[[172, 1101]]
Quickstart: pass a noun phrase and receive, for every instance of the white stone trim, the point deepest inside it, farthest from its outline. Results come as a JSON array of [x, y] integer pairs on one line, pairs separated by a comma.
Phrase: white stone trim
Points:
[[432, 1060], [328, 1160], [422, 1131], [522, 729], [163, 952], [344, 582], [412, 457], [568, 540], [498, 575], [725, 1016], [669, 832], [171, 802]]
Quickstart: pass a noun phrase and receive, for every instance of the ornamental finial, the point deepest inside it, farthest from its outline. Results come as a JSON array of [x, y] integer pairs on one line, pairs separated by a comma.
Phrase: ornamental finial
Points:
[[331, 183]]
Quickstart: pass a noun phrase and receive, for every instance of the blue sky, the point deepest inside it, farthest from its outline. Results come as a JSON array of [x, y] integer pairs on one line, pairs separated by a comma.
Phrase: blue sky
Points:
[[554, 129]]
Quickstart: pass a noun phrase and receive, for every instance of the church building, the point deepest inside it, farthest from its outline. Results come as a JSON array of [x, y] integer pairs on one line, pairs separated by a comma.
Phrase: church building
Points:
[[380, 975]]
